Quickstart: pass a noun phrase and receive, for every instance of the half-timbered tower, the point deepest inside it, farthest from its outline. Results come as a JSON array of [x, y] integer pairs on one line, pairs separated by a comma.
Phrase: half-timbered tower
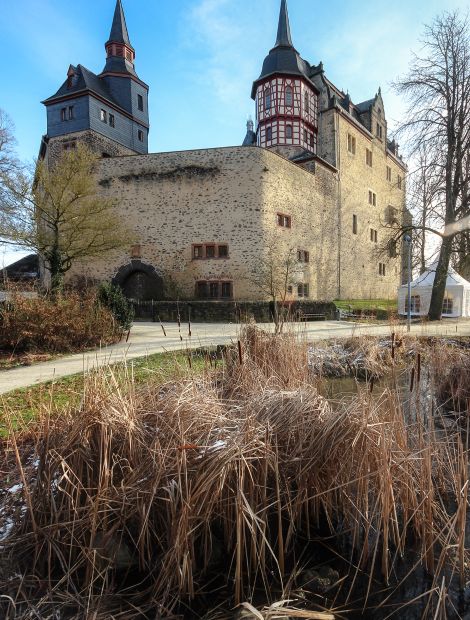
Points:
[[286, 98]]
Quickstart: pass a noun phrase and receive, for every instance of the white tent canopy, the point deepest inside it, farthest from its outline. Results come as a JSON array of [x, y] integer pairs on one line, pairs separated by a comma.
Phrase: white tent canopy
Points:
[[456, 299]]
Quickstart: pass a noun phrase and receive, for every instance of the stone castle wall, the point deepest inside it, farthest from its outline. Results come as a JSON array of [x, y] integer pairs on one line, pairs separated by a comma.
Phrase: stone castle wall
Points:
[[222, 196], [360, 255]]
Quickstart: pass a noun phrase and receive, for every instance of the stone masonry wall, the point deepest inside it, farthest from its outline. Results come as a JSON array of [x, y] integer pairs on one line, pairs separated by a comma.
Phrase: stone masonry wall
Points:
[[222, 196], [360, 256]]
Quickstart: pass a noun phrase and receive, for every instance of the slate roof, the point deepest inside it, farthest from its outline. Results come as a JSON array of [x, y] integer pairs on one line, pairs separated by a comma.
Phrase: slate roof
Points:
[[119, 33], [27, 268], [364, 106], [283, 29], [84, 80], [283, 58]]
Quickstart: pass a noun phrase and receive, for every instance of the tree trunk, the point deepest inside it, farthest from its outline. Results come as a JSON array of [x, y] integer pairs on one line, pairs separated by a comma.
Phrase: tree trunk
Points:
[[57, 275], [440, 279]]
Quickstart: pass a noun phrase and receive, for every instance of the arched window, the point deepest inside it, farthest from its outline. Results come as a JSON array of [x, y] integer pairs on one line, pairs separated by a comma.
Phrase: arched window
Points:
[[306, 103], [267, 99], [288, 131], [289, 96]]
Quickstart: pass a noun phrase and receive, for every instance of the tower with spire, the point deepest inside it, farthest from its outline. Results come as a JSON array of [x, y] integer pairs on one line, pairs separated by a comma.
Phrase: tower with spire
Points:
[[108, 111], [286, 98]]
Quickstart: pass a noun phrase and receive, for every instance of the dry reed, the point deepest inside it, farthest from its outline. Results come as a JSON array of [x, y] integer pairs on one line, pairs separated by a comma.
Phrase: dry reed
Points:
[[146, 500]]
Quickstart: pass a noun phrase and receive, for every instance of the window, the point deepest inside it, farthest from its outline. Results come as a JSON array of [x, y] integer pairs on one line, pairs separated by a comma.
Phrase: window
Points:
[[369, 157], [373, 235], [448, 305], [69, 145], [381, 269], [354, 224], [378, 131], [289, 289], [288, 95], [269, 133], [198, 251], [201, 290], [389, 173], [136, 251], [213, 290], [392, 248], [119, 51], [140, 135], [415, 304], [351, 144], [288, 131], [111, 120], [267, 99], [302, 290], [63, 114], [226, 290], [372, 198], [303, 256], [312, 140], [140, 102], [305, 136], [210, 250], [306, 102], [71, 113], [103, 116], [284, 220], [399, 181]]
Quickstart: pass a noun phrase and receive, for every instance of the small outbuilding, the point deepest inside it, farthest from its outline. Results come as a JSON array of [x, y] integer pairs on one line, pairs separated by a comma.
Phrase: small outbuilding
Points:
[[456, 299]]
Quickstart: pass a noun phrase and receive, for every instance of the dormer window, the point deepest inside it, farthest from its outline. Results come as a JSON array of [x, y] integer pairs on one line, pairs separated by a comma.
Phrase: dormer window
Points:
[[289, 96], [378, 131], [267, 99]]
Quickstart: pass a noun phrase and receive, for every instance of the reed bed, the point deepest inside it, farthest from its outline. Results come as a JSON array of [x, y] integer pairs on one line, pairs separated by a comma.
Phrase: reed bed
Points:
[[146, 502]]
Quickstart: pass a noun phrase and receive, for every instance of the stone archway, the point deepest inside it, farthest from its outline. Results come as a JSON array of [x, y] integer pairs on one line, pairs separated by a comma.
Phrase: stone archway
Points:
[[140, 281]]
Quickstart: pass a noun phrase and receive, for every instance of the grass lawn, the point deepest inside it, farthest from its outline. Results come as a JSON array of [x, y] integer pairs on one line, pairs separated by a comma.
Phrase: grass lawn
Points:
[[366, 304], [24, 405]]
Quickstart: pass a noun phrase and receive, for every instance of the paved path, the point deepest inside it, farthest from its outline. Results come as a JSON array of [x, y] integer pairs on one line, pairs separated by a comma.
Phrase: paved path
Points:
[[148, 338]]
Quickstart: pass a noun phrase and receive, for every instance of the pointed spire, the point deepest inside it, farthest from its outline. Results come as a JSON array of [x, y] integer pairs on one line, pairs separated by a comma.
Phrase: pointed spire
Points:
[[119, 32], [283, 31]]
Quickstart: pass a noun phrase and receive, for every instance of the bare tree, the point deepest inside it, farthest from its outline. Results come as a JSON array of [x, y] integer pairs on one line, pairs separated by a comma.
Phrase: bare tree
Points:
[[8, 158], [59, 213], [277, 271], [437, 88]]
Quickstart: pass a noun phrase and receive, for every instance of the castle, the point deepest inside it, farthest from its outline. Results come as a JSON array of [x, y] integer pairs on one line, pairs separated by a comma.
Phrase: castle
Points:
[[317, 175]]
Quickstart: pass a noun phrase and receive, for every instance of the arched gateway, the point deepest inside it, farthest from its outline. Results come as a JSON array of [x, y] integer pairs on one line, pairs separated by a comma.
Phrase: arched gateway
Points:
[[140, 281]]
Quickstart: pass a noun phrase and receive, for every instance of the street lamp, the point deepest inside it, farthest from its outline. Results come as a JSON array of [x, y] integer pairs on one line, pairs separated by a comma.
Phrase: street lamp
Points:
[[407, 239]]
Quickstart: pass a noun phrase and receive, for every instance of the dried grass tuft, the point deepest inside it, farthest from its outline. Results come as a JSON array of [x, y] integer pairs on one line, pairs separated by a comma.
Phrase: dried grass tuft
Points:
[[146, 499]]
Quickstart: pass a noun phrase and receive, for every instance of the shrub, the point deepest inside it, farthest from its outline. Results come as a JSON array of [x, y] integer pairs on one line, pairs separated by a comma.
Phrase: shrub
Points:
[[112, 297], [67, 323]]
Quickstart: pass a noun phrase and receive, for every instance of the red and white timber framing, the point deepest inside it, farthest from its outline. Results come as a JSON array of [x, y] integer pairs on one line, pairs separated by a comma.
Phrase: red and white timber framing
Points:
[[287, 113]]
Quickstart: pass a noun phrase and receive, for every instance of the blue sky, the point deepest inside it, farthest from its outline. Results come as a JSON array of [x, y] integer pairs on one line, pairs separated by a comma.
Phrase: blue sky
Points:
[[200, 57]]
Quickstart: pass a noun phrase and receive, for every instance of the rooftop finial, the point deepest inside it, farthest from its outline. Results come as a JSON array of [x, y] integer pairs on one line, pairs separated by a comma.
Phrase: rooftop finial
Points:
[[283, 31], [119, 32]]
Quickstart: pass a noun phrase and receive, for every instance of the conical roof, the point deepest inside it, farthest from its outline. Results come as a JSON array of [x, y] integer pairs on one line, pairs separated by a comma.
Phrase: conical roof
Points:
[[283, 29], [283, 58], [119, 32]]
